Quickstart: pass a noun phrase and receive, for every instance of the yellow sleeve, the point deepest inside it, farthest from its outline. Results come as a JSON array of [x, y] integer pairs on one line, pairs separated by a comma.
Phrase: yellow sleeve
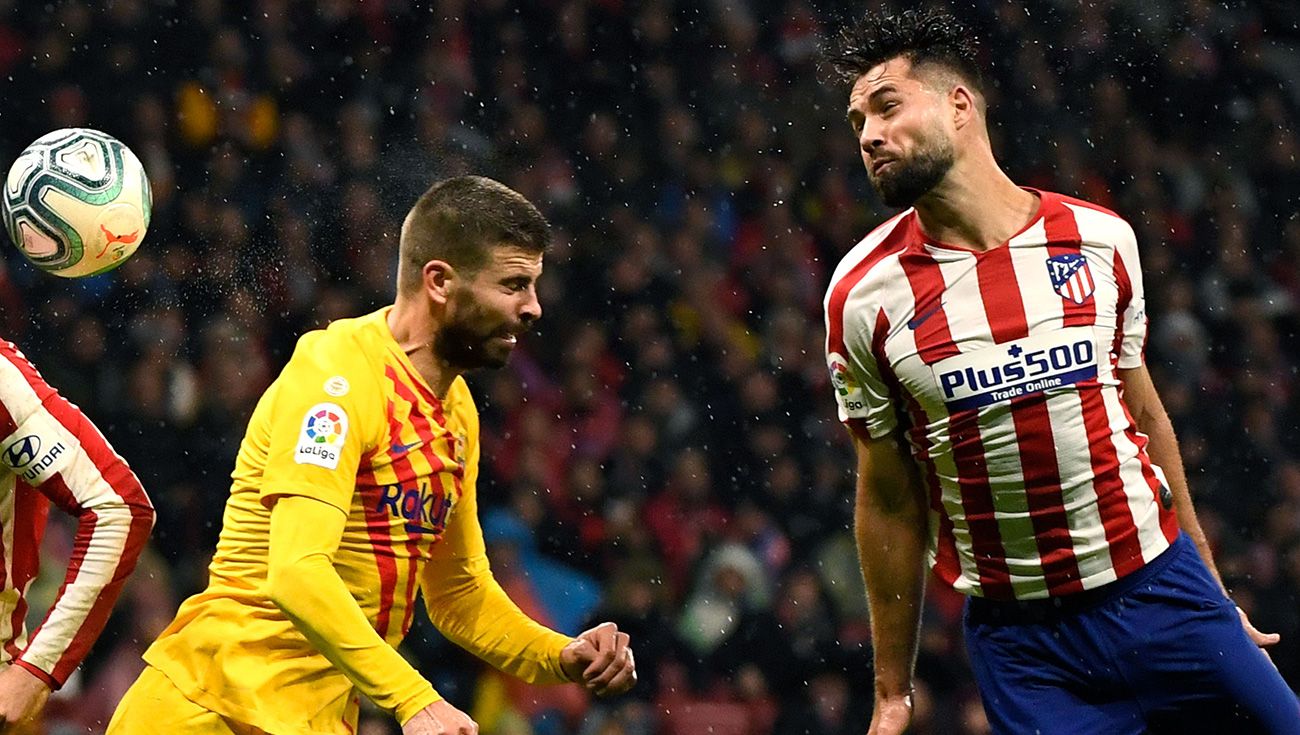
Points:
[[301, 580], [326, 413], [468, 606]]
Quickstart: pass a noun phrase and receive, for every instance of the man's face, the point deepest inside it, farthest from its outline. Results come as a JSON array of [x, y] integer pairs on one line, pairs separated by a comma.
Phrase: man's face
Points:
[[899, 125], [488, 310]]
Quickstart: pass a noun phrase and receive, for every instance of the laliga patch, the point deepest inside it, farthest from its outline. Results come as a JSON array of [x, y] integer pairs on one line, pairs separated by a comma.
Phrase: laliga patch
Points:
[[847, 389], [36, 451], [321, 441]]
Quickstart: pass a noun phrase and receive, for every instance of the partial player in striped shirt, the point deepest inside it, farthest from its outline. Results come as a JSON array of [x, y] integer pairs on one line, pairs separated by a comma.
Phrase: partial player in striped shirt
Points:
[[354, 491], [995, 334], [50, 451]]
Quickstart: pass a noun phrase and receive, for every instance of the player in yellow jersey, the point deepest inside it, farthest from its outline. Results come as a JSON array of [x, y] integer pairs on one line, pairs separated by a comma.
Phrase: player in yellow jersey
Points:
[[354, 488]]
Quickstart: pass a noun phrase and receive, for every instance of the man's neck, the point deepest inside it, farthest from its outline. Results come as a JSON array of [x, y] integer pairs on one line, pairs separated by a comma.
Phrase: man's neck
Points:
[[977, 206], [413, 327]]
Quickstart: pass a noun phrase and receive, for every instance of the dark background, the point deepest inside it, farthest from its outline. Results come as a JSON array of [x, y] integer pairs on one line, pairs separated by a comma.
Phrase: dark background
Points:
[[663, 451]]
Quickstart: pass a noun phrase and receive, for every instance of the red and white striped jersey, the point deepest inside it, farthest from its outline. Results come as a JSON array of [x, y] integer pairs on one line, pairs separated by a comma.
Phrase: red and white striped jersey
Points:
[[1001, 369], [49, 451]]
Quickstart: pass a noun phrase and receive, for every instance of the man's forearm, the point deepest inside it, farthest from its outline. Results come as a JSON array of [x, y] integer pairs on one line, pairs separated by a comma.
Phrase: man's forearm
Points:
[[891, 548], [302, 582], [1148, 412], [469, 607]]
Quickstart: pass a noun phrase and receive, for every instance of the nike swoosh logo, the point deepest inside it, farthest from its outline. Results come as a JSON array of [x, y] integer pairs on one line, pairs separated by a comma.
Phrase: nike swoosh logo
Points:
[[399, 449], [415, 528], [920, 319]]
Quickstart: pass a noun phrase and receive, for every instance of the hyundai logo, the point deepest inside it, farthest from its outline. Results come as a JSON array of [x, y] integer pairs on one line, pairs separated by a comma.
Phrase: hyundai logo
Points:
[[23, 452]]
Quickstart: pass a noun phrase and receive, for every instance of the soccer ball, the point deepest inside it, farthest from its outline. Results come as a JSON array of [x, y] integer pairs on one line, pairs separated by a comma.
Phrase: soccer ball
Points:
[[76, 202]]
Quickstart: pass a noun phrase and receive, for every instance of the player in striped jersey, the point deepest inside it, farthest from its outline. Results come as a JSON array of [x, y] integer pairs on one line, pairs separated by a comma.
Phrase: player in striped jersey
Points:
[[355, 487], [49, 451], [996, 334]]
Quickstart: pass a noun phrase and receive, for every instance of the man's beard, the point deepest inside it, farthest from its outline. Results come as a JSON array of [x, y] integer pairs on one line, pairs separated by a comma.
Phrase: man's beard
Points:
[[467, 343], [907, 180]]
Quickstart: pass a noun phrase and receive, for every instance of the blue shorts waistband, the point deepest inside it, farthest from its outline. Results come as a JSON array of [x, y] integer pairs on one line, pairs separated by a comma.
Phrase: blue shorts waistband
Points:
[[984, 611]]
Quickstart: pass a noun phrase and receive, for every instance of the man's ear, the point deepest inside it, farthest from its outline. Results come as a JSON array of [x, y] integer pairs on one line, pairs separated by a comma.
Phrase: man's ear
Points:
[[964, 107], [437, 278]]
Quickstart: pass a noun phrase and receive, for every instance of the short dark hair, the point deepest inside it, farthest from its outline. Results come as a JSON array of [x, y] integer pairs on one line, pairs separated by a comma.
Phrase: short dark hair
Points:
[[459, 220], [922, 36]]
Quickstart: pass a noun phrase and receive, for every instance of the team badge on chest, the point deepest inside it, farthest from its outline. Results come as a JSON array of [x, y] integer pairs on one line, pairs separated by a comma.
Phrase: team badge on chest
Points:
[[1071, 277]]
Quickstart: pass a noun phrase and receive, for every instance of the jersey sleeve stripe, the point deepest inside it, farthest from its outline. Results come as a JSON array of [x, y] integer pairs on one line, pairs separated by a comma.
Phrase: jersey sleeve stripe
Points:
[[50, 681], [1123, 281], [7, 423], [108, 542], [111, 467], [893, 239], [1125, 297]]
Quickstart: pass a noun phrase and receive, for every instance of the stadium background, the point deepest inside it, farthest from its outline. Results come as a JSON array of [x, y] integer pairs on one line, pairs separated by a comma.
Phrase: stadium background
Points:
[[663, 451]]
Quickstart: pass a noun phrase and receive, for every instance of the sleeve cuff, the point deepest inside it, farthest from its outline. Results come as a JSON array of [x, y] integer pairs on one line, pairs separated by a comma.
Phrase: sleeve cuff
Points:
[[39, 674], [411, 707], [553, 656]]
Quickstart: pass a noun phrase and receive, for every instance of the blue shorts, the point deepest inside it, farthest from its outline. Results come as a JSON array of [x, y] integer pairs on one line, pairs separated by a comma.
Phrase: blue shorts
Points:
[[1159, 651]]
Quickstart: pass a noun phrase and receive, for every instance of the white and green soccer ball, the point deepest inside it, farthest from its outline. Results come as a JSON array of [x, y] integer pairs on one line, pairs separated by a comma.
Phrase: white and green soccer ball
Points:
[[76, 202]]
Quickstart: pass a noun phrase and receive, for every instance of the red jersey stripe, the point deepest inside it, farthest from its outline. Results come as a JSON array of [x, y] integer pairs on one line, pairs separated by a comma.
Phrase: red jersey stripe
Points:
[[1063, 238], [1005, 310], [1168, 517], [30, 508], [1112, 501], [425, 432], [1000, 291], [929, 322], [1125, 297], [379, 525], [977, 501], [457, 473]]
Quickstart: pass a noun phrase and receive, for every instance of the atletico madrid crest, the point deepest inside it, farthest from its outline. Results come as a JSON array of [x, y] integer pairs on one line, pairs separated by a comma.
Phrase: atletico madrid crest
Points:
[[1071, 277]]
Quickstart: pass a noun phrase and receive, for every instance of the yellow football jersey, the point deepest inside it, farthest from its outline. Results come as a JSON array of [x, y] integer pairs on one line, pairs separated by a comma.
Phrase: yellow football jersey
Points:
[[349, 422]]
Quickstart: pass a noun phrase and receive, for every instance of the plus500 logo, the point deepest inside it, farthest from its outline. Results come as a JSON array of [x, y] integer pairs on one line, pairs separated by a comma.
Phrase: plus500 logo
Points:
[[1019, 368]]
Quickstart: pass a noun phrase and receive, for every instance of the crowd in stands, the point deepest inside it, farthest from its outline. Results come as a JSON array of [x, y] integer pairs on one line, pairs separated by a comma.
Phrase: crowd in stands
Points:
[[663, 451]]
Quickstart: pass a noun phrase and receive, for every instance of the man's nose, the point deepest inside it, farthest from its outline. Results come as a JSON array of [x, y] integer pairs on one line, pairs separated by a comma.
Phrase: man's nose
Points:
[[531, 310], [870, 137]]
